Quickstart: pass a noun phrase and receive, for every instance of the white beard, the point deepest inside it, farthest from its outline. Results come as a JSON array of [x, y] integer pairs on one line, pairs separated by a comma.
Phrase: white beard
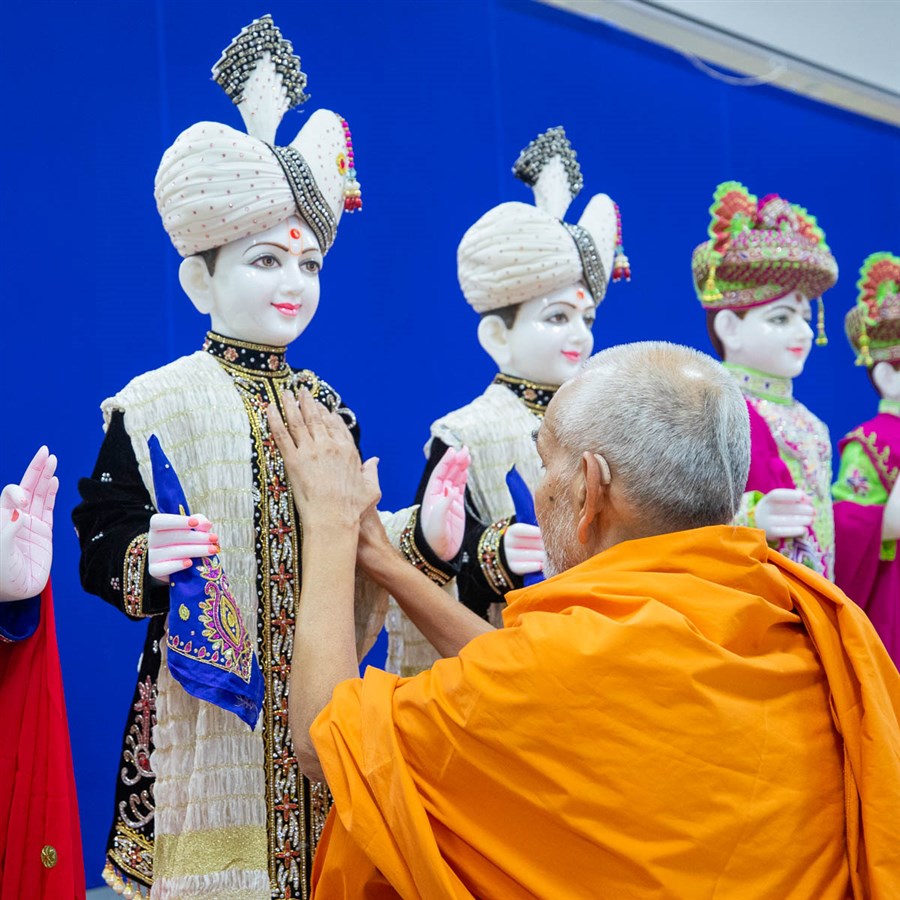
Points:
[[561, 546]]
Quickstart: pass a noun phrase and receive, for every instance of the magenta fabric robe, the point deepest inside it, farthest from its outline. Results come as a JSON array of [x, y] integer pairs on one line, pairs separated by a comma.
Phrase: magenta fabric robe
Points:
[[873, 583]]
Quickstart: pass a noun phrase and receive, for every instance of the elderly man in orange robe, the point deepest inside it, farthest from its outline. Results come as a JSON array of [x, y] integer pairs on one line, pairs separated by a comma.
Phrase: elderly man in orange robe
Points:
[[680, 712]]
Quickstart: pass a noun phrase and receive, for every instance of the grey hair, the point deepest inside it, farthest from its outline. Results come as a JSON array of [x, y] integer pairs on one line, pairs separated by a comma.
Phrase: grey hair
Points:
[[672, 424]]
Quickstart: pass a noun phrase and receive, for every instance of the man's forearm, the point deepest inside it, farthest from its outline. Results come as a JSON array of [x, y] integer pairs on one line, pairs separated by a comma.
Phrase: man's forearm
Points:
[[446, 624], [324, 633]]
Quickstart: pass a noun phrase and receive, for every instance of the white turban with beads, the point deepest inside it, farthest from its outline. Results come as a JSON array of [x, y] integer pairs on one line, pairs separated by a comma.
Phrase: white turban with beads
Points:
[[216, 185], [518, 252]]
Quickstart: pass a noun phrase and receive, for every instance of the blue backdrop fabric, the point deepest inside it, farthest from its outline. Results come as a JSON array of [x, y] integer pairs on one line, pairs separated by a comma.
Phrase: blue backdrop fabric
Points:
[[440, 97]]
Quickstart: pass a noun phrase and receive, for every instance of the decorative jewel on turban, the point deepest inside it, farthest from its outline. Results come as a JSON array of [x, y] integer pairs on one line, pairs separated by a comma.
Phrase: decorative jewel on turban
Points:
[[216, 185], [517, 252], [873, 324], [759, 251]]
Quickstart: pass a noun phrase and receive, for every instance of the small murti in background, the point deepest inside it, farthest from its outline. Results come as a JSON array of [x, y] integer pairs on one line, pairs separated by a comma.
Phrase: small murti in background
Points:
[[536, 281], [866, 499], [763, 264]]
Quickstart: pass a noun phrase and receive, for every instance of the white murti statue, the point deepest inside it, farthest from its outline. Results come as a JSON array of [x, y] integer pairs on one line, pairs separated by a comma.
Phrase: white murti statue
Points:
[[535, 280], [755, 276], [189, 500]]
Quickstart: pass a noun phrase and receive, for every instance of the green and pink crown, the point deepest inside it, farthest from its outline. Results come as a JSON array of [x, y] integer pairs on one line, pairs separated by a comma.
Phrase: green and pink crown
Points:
[[759, 251], [873, 324]]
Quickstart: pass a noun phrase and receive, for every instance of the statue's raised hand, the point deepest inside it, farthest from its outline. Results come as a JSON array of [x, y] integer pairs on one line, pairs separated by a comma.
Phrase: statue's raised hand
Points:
[[26, 529], [443, 514]]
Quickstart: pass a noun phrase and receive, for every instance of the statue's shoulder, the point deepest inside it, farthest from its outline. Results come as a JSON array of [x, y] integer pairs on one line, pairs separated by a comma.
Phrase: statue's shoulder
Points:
[[487, 414]]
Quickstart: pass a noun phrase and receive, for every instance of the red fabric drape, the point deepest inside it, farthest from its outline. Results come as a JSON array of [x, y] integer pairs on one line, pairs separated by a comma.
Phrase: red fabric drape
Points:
[[40, 837]]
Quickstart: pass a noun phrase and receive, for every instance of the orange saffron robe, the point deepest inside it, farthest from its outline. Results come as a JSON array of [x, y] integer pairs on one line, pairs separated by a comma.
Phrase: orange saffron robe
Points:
[[689, 715]]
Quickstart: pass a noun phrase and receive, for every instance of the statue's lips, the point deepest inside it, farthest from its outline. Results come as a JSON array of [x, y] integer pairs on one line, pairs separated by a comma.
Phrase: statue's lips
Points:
[[287, 309], [573, 355]]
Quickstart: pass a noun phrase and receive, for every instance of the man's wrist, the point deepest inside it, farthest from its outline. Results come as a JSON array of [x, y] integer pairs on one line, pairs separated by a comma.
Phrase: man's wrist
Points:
[[382, 564], [329, 536]]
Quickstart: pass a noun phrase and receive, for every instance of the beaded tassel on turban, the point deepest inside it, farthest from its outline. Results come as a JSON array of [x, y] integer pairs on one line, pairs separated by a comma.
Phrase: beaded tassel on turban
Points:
[[216, 185], [517, 252]]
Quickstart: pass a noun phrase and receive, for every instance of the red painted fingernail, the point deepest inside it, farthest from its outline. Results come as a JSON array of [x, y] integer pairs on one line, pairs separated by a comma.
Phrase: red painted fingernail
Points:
[[193, 522], [215, 549], [14, 516], [214, 538], [185, 563]]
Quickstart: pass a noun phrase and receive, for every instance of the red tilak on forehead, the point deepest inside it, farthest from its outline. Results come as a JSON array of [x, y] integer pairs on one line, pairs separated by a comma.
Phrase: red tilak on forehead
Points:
[[296, 241], [579, 294]]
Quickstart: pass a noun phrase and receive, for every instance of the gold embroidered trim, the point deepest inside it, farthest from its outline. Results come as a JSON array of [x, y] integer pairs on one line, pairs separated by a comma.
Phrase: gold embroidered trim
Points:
[[235, 369], [234, 342], [290, 826], [413, 555], [131, 853], [207, 852], [534, 395], [134, 571], [489, 557], [879, 458]]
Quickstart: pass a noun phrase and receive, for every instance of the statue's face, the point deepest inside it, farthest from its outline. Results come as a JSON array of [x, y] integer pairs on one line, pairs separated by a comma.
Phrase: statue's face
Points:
[[552, 337], [265, 288], [775, 338]]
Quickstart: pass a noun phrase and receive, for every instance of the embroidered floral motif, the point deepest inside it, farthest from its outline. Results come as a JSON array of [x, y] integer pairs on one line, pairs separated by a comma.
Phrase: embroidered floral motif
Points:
[[223, 626], [859, 483], [296, 809], [291, 836]]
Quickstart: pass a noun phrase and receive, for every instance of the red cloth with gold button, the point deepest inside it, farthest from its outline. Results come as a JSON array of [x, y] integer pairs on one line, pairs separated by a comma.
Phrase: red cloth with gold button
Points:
[[40, 837]]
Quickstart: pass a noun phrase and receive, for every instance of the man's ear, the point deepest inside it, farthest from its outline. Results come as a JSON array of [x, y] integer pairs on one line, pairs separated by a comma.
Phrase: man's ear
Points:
[[593, 492], [493, 335], [727, 327], [196, 282]]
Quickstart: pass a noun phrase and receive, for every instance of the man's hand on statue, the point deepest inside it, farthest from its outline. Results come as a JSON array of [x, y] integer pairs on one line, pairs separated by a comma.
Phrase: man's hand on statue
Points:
[[443, 513], [784, 513], [331, 487], [524, 549], [173, 542], [890, 521], [374, 544], [26, 529]]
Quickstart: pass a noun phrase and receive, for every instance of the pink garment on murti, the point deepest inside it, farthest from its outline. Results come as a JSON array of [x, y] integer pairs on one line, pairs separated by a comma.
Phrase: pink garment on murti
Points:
[[872, 583], [767, 468], [781, 433]]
